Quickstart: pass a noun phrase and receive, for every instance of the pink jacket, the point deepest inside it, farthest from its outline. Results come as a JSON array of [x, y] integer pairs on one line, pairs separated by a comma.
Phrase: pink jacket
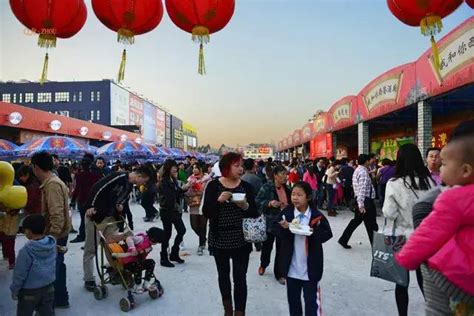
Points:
[[143, 248], [445, 238], [312, 181]]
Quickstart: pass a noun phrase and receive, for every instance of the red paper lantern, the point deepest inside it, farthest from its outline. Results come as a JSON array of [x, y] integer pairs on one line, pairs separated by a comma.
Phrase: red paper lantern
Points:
[[128, 18], [426, 14], [470, 3], [201, 18], [51, 19]]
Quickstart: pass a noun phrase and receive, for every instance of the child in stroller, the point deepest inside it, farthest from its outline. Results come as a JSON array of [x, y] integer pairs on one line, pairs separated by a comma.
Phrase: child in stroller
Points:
[[139, 246], [126, 254]]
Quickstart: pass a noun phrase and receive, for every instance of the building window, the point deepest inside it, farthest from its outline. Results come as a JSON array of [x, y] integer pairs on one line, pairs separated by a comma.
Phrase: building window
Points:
[[20, 98], [92, 115], [44, 97], [98, 96], [29, 97], [73, 114], [92, 96], [74, 97], [79, 114], [80, 96], [14, 97], [63, 113], [6, 97], [61, 97], [97, 115]]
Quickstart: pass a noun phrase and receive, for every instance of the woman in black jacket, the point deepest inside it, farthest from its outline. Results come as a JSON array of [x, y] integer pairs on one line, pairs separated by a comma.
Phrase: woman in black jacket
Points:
[[170, 194], [226, 237]]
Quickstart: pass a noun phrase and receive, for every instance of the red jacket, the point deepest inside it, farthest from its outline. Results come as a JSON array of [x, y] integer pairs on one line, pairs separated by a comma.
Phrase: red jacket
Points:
[[446, 239]]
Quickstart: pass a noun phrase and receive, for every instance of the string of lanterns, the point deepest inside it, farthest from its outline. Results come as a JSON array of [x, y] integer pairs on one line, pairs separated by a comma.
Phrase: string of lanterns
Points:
[[53, 19]]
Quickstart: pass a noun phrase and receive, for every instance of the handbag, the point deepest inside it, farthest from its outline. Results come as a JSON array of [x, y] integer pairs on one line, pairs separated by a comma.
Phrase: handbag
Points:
[[255, 229], [384, 265]]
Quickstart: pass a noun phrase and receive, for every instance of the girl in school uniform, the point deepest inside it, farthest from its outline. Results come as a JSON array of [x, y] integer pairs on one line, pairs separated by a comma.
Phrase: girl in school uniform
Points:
[[301, 257]]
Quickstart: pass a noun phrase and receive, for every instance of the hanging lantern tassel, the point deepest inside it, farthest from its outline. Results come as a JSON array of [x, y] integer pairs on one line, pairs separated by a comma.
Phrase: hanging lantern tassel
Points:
[[435, 52], [430, 26], [121, 73], [200, 34], [202, 65], [44, 74]]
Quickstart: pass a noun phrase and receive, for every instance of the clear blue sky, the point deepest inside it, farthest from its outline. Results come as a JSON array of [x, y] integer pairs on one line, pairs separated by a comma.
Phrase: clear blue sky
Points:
[[275, 64]]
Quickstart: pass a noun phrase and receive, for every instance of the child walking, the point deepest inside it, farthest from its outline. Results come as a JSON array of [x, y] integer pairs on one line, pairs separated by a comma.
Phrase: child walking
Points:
[[35, 270], [301, 259], [445, 238]]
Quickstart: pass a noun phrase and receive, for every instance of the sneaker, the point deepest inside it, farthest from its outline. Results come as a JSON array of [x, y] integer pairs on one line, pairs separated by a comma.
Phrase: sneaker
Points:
[[200, 251], [166, 263], [73, 231], [261, 270], [90, 286], [332, 213], [282, 281], [344, 245]]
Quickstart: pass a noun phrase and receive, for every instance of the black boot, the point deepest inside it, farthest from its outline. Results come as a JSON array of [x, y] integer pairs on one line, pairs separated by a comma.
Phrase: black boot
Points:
[[174, 255], [164, 260]]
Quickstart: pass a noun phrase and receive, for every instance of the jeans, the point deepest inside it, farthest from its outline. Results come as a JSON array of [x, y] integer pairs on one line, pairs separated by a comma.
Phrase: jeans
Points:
[[311, 294], [331, 193], [240, 264], [40, 300], [369, 219], [170, 219], [267, 251], [61, 295], [199, 225]]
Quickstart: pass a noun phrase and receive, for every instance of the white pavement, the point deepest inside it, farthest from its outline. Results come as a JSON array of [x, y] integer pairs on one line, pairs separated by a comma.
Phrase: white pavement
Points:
[[191, 288]]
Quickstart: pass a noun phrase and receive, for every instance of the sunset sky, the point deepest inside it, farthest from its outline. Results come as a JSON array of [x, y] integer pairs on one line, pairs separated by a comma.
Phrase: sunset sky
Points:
[[275, 64]]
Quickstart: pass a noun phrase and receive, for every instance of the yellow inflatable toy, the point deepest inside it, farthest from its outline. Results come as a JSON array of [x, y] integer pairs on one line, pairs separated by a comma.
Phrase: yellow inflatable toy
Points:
[[11, 196]]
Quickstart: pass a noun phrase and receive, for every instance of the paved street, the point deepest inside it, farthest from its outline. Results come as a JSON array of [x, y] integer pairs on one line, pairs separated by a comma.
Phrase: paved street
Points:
[[191, 288]]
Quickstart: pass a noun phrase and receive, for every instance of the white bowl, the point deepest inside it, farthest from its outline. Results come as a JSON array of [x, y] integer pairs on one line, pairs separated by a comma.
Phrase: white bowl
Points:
[[238, 197]]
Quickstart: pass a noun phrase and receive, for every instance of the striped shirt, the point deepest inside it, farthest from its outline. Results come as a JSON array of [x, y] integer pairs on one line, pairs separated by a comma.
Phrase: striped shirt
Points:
[[362, 184]]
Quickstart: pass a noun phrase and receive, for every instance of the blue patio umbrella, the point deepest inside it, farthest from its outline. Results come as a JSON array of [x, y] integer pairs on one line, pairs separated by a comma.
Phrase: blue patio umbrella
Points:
[[125, 150], [64, 147]]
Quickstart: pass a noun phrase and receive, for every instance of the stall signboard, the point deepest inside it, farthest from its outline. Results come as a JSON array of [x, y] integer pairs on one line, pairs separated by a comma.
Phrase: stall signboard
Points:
[[119, 105], [343, 113], [264, 150], [388, 148], [289, 141], [321, 125], [160, 126], [307, 132], [149, 123], [456, 52], [136, 111], [387, 93], [297, 140]]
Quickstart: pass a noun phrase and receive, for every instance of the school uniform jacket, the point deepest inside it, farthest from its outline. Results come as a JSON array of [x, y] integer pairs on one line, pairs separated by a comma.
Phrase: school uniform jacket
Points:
[[322, 233]]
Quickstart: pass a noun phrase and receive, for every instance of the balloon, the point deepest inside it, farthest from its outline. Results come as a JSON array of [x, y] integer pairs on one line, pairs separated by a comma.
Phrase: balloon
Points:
[[11, 196]]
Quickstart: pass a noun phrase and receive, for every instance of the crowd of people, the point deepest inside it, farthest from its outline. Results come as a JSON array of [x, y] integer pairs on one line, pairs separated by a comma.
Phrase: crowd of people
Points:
[[429, 202]]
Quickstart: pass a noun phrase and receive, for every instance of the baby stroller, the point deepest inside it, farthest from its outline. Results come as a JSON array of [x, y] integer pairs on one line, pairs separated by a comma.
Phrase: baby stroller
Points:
[[112, 270]]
